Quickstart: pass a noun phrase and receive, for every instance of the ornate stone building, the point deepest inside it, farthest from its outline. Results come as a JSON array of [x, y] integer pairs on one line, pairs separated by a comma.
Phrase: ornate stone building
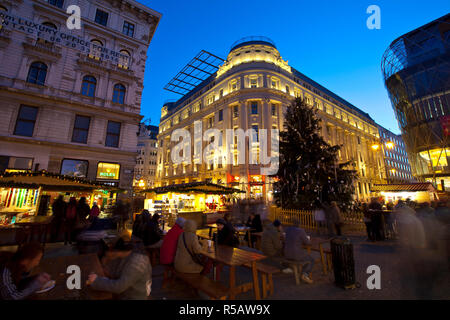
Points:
[[251, 90], [70, 99], [145, 169]]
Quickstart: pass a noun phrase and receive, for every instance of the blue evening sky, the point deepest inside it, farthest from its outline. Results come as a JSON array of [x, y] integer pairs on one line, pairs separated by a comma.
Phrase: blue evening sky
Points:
[[327, 40]]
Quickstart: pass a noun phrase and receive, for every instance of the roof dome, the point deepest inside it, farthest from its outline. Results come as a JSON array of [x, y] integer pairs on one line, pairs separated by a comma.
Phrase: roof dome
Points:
[[253, 49], [253, 40]]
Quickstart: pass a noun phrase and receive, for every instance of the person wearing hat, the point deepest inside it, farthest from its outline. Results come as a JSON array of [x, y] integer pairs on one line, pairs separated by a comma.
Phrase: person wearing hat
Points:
[[170, 241]]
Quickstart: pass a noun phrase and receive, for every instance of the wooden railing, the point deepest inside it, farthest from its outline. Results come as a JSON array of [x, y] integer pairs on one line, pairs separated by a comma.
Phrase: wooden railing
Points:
[[353, 221]]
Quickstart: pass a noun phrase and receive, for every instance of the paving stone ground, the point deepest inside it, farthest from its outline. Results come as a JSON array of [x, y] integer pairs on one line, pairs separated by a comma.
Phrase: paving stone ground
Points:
[[383, 254]]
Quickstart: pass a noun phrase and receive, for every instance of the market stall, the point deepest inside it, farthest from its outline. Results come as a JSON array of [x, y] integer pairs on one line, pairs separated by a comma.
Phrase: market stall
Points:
[[418, 192], [26, 195], [199, 201]]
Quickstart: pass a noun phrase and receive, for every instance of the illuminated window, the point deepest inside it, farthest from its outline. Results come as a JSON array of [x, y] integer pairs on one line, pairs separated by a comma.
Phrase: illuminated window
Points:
[[124, 59], [37, 73], [210, 122], [233, 85], [235, 111], [109, 171], [210, 99], [74, 168], [329, 109], [253, 82], [274, 109], [274, 83], [95, 49], [319, 104], [176, 119], [287, 89]]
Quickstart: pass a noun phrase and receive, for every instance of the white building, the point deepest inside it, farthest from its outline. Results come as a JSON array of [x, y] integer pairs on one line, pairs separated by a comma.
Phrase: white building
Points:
[[145, 169], [70, 99]]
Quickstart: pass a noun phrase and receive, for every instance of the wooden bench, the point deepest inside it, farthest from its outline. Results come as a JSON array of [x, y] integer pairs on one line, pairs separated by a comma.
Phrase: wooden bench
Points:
[[169, 273], [266, 276], [214, 290], [297, 267]]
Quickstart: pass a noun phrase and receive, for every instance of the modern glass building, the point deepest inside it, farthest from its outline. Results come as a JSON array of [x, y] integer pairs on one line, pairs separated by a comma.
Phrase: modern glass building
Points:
[[416, 69]]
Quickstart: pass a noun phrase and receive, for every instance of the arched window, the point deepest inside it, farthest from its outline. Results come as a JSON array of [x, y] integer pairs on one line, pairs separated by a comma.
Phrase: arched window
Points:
[[119, 93], [95, 50], [88, 86], [124, 59], [37, 73]]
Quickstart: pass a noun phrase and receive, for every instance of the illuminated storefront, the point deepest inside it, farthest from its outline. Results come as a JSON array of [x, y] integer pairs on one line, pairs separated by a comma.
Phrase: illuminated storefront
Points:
[[108, 171]]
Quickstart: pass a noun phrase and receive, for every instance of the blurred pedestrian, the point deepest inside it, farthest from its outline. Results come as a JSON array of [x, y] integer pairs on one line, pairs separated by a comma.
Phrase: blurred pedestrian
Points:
[[70, 221], [59, 211]]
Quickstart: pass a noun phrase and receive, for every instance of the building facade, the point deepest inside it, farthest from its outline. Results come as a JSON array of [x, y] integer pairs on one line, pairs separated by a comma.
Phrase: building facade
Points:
[[396, 164], [145, 169], [251, 90], [416, 69], [70, 99]]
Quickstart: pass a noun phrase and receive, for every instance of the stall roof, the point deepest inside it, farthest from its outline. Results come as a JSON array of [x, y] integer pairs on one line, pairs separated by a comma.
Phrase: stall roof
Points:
[[200, 187], [49, 182], [408, 187]]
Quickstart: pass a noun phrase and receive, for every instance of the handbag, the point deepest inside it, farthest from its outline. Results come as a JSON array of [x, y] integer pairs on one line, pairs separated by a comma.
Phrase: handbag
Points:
[[195, 257]]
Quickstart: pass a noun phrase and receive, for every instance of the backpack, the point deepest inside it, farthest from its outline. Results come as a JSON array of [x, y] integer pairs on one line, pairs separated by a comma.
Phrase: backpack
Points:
[[71, 213]]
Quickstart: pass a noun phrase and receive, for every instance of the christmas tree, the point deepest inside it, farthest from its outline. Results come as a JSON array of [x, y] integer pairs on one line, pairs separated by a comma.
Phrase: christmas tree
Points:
[[309, 168]]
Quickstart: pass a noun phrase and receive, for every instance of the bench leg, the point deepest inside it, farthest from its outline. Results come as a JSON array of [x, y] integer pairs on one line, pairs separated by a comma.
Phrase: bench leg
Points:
[[271, 284], [264, 285], [322, 259], [296, 274]]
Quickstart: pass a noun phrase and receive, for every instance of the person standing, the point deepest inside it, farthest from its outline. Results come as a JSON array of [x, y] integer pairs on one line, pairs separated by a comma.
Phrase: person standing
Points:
[[368, 221], [319, 217], [95, 211], [70, 220], [336, 217], [15, 283], [83, 211], [59, 211], [293, 250]]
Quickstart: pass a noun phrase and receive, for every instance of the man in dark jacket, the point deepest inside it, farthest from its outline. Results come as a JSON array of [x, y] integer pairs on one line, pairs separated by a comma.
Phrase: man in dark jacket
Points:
[[225, 235], [59, 212]]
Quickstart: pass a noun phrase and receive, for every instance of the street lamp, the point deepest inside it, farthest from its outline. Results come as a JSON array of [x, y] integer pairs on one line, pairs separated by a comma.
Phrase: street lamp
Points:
[[390, 145], [375, 147]]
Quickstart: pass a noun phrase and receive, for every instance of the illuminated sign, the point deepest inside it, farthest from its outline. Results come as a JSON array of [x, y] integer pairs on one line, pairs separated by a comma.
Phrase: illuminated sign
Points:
[[108, 171]]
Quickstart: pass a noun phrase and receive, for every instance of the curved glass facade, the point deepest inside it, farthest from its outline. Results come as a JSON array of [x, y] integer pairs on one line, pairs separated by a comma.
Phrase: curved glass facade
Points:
[[416, 69]]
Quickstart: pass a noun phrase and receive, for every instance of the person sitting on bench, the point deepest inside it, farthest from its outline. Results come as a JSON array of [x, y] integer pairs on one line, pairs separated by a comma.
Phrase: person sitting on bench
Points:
[[293, 250], [170, 242]]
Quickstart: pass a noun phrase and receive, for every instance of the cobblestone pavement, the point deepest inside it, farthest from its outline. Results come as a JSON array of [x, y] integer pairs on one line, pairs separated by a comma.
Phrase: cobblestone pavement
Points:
[[382, 254]]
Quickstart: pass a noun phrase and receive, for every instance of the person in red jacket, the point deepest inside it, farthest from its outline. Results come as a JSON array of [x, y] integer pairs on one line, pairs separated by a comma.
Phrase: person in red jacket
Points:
[[169, 245]]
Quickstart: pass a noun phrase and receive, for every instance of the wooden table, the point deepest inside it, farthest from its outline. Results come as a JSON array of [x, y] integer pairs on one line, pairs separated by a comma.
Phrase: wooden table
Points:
[[211, 227], [203, 234], [243, 230], [57, 268], [38, 224], [234, 257]]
